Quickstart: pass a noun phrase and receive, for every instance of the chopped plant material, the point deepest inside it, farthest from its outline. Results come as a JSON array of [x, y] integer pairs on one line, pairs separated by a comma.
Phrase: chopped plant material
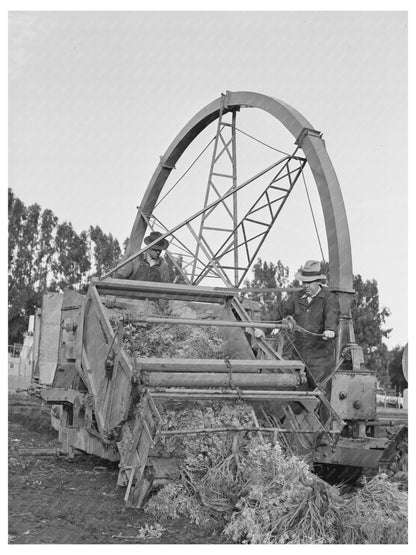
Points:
[[258, 494], [149, 531], [174, 501], [168, 340], [376, 514], [252, 490]]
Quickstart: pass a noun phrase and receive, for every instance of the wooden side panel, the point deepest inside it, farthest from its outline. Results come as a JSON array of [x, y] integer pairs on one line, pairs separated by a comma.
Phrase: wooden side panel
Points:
[[134, 447], [110, 389], [67, 374], [49, 336]]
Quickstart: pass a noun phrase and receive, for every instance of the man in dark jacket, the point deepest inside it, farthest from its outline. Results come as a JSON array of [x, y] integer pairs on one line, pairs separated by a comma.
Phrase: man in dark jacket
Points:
[[148, 266], [315, 309]]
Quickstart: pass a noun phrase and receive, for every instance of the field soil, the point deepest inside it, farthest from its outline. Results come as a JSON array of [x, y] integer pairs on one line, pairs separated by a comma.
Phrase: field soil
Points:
[[53, 500]]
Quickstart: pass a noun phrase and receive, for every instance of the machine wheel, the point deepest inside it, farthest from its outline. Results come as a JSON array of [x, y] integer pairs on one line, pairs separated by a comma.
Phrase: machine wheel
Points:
[[232, 207]]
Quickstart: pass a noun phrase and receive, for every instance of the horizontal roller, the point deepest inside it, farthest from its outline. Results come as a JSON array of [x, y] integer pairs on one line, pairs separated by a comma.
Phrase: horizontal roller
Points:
[[189, 379], [307, 398], [286, 395], [152, 289], [216, 365]]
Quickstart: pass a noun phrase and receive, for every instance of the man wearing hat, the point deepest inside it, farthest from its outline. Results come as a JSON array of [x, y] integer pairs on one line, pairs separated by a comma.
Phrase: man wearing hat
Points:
[[148, 266], [315, 310]]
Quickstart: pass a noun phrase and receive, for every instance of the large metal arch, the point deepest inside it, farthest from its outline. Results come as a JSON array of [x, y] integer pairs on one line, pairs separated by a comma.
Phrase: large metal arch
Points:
[[313, 146]]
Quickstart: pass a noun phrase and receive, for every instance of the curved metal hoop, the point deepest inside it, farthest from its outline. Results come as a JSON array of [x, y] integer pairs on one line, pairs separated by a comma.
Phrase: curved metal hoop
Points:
[[306, 137]]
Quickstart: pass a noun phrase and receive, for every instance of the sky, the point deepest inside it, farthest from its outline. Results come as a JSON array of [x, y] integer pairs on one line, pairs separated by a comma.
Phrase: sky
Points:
[[96, 97]]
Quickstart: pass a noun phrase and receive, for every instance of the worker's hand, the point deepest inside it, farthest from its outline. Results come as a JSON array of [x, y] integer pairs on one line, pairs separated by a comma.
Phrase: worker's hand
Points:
[[328, 334], [290, 323], [275, 331], [258, 333]]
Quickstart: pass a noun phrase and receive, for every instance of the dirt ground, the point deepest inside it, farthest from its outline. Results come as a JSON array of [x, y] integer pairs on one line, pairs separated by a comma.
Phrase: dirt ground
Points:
[[53, 500]]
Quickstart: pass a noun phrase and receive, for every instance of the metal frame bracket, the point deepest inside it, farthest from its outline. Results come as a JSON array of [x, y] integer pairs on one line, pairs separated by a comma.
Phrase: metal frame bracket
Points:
[[226, 99], [307, 131], [165, 165]]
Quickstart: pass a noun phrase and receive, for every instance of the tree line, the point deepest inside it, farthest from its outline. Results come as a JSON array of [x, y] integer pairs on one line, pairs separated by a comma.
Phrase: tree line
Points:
[[45, 255]]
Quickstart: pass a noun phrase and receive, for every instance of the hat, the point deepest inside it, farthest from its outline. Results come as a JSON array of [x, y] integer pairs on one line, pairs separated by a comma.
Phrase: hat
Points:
[[161, 245], [311, 271]]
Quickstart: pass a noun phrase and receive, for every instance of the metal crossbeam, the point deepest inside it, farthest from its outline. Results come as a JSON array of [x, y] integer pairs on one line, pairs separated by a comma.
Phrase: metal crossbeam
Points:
[[264, 201]]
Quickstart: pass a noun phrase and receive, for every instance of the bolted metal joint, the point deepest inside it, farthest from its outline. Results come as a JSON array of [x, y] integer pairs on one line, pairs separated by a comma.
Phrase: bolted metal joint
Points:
[[307, 131]]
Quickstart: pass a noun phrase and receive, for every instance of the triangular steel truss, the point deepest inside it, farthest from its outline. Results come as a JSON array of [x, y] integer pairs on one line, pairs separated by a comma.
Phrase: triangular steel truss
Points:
[[215, 242], [254, 227], [223, 170], [231, 260]]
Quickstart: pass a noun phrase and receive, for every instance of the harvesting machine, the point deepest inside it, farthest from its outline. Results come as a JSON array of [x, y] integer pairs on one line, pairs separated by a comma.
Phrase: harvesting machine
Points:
[[109, 400]]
